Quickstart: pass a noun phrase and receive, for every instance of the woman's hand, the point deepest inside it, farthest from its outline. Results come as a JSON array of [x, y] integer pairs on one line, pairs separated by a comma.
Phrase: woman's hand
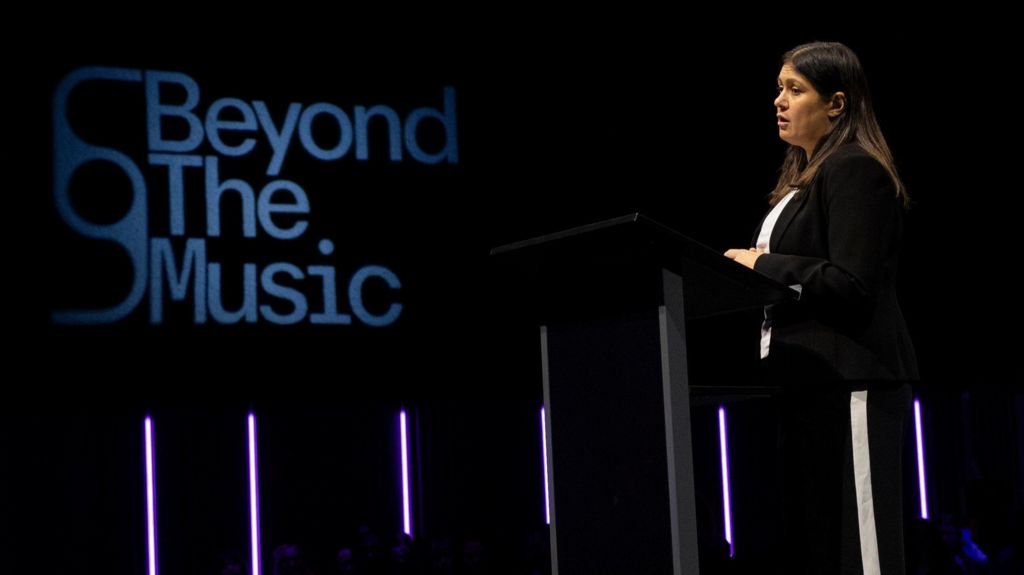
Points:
[[746, 257]]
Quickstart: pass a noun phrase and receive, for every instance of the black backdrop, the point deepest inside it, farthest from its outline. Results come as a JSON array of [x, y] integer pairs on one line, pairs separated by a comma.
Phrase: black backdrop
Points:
[[559, 124]]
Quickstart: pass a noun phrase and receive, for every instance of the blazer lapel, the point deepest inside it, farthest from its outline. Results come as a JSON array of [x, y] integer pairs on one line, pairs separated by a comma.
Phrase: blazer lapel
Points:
[[786, 218]]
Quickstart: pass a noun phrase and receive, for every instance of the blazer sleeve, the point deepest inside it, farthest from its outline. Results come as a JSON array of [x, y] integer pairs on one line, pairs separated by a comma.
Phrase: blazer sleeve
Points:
[[861, 212]]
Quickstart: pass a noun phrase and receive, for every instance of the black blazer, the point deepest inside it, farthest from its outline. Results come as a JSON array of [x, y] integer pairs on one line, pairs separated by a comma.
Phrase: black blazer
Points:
[[839, 239]]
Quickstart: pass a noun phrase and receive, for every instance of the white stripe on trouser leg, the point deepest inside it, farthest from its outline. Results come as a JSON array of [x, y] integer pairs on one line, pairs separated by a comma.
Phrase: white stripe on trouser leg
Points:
[[862, 482]]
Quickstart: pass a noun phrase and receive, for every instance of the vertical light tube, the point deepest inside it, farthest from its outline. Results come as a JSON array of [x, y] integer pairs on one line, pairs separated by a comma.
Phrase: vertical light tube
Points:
[[406, 510], [726, 490], [150, 498], [254, 499], [920, 460], [544, 458]]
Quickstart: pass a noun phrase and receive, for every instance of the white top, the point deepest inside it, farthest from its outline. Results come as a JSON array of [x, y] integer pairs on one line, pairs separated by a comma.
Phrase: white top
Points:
[[762, 243]]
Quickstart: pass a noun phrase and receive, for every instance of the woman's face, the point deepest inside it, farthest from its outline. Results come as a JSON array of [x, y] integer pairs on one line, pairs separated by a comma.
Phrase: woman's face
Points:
[[801, 112]]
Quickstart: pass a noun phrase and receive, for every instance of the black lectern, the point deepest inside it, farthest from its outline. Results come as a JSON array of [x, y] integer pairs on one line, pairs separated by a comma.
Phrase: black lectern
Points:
[[611, 300]]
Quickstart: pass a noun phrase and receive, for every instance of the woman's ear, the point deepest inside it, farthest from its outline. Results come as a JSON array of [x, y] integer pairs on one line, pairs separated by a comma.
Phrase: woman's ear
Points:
[[837, 105]]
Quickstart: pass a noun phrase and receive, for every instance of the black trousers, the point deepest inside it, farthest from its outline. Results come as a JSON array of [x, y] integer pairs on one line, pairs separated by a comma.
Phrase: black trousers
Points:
[[842, 459]]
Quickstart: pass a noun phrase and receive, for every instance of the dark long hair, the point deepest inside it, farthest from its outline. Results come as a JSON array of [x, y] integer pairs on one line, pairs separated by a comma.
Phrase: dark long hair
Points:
[[832, 67]]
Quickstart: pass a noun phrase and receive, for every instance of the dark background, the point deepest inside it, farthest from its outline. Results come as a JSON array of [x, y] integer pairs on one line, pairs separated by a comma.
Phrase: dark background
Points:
[[560, 123]]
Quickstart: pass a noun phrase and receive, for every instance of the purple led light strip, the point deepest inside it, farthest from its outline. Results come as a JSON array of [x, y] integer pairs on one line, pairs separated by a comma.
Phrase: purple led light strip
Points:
[[406, 514], [254, 499], [920, 460], [726, 490], [150, 498]]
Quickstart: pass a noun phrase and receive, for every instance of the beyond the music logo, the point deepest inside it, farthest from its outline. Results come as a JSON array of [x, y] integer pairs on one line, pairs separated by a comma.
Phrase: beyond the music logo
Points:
[[176, 263]]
